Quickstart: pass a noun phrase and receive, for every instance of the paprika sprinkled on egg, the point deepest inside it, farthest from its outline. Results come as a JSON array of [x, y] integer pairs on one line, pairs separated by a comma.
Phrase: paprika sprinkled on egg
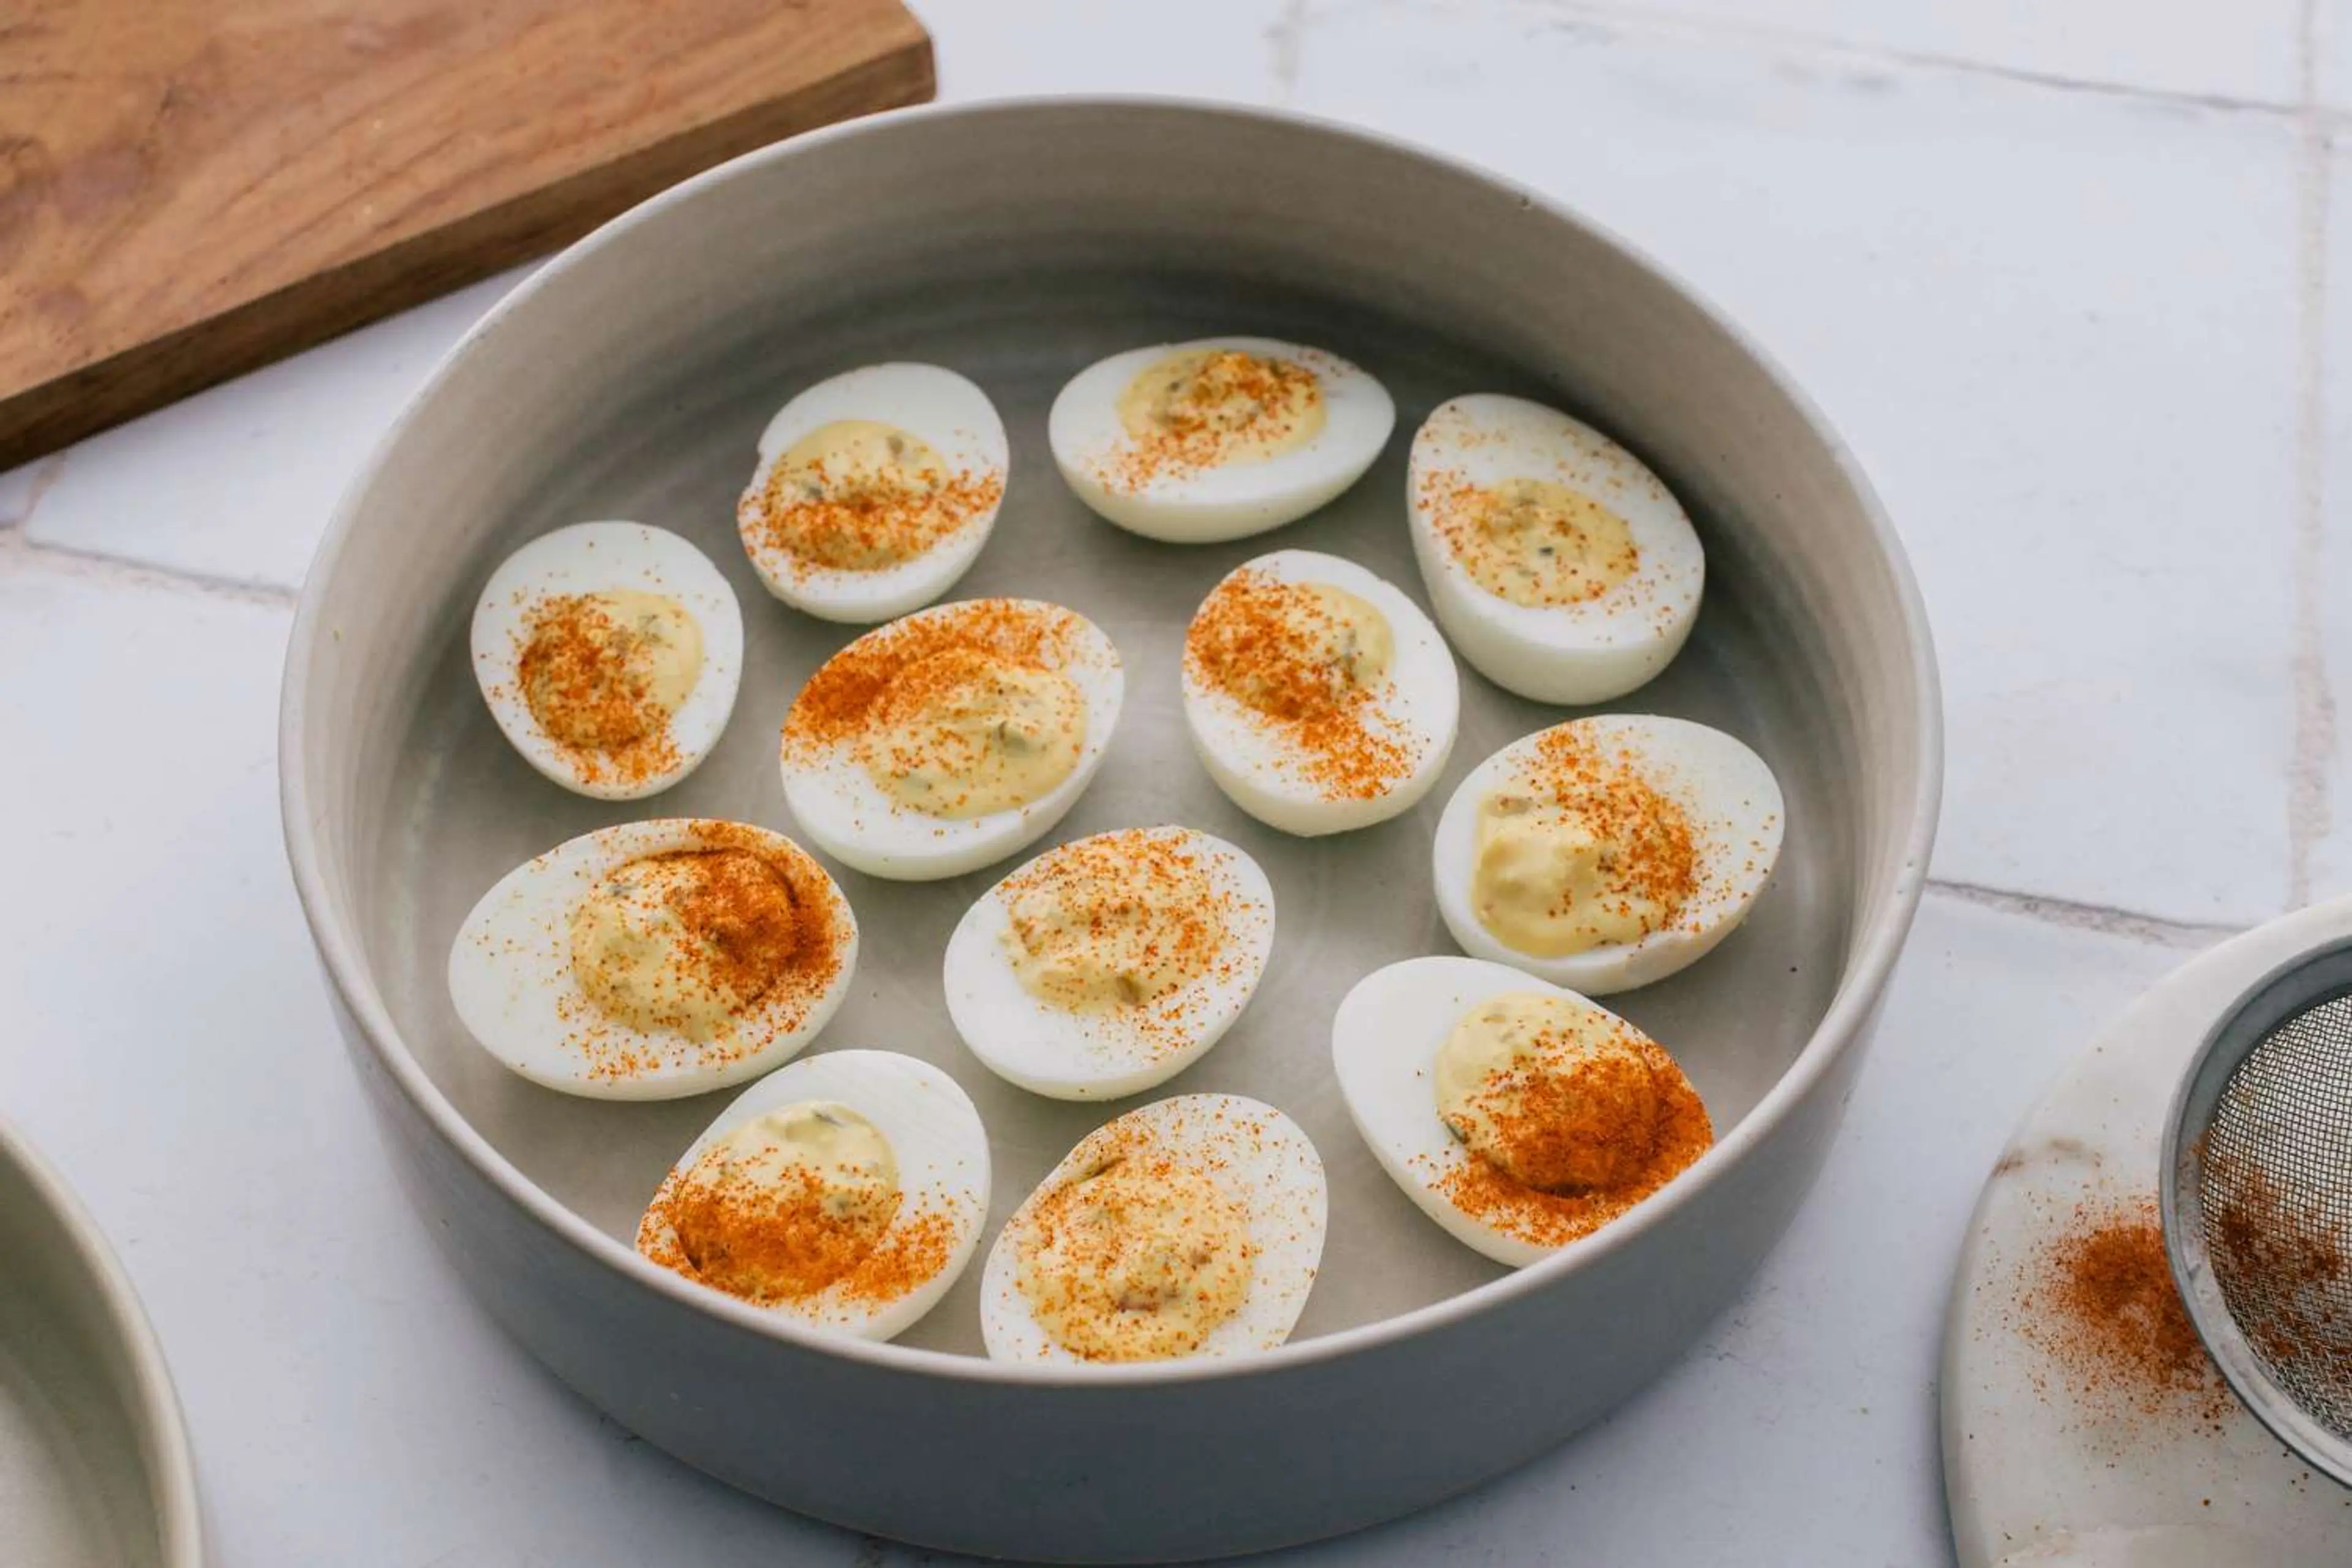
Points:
[[958, 714], [653, 959], [862, 496], [802, 1200], [696, 943], [1110, 963], [1191, 1227], [1570, 1116], [951, 737], [1117, 920], [844, 1190], [1307, 658], [609, 654], [1207, 407], [1581, 850]]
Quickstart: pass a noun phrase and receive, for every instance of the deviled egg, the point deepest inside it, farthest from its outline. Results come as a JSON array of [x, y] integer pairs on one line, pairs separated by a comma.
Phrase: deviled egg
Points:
[[874, 491], [1319, 697], [609, 654], [1216, 439], [1560, 566], [1191, 1226], [846, 1190], [1519, 1116], [1108, 964], [1608, 852], [657, 959], [951, 737]]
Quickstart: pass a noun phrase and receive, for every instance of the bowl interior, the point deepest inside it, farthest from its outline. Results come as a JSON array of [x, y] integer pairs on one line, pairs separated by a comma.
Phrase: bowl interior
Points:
[[1015, 246], [467, 808]]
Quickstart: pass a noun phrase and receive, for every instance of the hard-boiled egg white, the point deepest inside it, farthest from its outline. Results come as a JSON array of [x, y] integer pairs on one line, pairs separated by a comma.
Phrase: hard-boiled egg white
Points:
[[941, 1149], [1294, 761], [1385, 1041], [1722, 792], [1584, 637], [520, 992], [1107, 910], [548, 631], [1191, 489], [1257, 1158], [830, 736], [931, 525]]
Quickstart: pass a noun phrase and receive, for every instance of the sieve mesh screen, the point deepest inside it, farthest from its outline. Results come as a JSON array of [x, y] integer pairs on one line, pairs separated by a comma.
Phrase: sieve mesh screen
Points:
[[2276, 1194]]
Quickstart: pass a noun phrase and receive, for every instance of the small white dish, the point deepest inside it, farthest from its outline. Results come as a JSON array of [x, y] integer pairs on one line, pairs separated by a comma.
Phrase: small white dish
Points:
[[95, 1470], [2045, 1464]]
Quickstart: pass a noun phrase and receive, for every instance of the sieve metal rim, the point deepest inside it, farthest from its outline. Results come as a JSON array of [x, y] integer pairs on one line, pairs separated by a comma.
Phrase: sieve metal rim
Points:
[[2310, 979]]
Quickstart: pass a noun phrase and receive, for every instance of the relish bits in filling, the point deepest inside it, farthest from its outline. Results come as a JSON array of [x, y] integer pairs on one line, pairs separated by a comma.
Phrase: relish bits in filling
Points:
[[1210, 407], [1308, 658], [1535, 542], [1582, 851], [603, 673], [956, 714], [701, 944], [683, 943], [1138, 1257], [858, 495], [1113, 922], [1570, 1117], [801, 1201], [965, 731]]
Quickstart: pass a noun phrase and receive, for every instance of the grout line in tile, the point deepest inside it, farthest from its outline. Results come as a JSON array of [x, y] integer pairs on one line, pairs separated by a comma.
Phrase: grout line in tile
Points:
[[1643, 16], [17, 550], [44, 478], [1285, 37], [2308, 813], [2099, 917]]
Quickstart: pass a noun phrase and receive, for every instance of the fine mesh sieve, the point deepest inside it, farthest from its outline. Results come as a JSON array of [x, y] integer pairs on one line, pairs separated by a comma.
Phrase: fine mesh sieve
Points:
[[2257, 1201]]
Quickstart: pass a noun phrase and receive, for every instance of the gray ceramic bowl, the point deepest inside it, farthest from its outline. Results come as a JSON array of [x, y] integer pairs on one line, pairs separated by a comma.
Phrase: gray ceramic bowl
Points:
[[94, 1462], [1016, 243]]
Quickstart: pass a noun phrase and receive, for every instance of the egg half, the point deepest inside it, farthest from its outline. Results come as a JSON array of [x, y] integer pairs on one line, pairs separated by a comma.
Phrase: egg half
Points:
[[1607, 853], [1216, 439], [951, 737], [609, 654], [875, 490], [1319, 696], [1560, 567], [652, 960], [1110, 964], [846, 1190], [1386, 1042], [1191, 1227]]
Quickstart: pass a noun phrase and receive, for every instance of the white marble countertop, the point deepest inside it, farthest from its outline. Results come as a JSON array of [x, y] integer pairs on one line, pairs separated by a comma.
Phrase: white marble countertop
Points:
[[2068, 278]]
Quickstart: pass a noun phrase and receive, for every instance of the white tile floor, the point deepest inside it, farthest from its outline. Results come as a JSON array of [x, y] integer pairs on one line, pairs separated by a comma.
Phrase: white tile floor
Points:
[[2076, 282]]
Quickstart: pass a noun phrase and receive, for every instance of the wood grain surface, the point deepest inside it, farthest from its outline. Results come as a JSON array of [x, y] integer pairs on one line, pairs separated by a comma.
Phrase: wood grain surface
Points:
[[190, 188]]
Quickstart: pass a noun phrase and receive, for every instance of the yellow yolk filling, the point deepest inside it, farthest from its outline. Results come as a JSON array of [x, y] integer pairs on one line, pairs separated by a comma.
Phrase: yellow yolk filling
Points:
[[1537, 542], [1552, 1094], [604, 670], [1213, 407], [965, 733], [683, 943], [1140, 1258], [1098, 926]]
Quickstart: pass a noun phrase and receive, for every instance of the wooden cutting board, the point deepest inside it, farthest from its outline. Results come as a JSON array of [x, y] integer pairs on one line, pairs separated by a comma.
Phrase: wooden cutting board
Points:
[[190, 188]]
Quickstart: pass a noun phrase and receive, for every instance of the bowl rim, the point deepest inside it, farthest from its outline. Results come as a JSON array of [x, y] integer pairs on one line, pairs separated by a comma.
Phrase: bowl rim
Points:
[[1842, 1025], [157, 1419]]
